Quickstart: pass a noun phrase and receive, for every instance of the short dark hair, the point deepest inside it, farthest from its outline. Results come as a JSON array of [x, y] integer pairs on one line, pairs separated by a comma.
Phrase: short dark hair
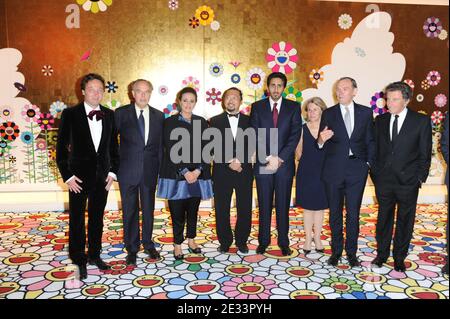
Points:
[[90, 77], [180, 93], [228, 90], [402, 87], [354, 84], [277, 75]]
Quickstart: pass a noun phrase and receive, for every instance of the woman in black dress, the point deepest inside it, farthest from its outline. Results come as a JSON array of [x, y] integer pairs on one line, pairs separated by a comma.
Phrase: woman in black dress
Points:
[[185, 178], [310, 190]]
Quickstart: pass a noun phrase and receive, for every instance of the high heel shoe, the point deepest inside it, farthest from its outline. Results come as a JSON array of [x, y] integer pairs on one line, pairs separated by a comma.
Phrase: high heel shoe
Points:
[[320, 250], [306, 251], [178, 257], [196, 250]]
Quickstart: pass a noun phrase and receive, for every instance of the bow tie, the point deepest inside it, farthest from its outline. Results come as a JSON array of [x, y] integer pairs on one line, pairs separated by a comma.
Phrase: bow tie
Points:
[[99, 115], [233, 115]]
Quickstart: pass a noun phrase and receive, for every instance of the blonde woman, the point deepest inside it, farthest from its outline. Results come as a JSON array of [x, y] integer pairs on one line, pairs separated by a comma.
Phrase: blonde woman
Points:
[[310, 190]]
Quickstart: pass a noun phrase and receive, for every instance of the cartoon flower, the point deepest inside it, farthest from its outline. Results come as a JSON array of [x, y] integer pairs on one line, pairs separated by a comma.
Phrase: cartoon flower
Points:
[[113, 104], [199, 285], [443, 35], [45, 121], [235, 78], [316, 76], [215, 25], [52, 137], [27, 137], [433, 258], [293, 94], [440, 100], [216, 69], [248, 287], [31, 113], [52, 154], [9, 131], [111, 86], [282, 57], [41, 144], [194, 22], [410, 83], [213, 96], [345, 21], [433, 78], [12, 159], [205, 15], [301, 290], [163, 90], [4, 147], [378, 103], [410, 288], [305, 271], [425, 84], [170, 109], [360, 52], [94, 5], [173, 4], [47, 70], [343, 285], [437, 117], [255, 78], [191, 82], [6, 113], [56, 109], [362, 295], [432, 27], [235, 64], [119, 267]]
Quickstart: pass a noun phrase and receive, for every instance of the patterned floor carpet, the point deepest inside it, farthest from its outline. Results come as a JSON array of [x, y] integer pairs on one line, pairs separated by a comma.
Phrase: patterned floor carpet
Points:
[[34, 263]]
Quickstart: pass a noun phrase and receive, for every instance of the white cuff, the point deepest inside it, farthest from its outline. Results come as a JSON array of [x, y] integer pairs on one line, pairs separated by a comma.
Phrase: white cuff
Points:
[[114, 176], [71, 178]]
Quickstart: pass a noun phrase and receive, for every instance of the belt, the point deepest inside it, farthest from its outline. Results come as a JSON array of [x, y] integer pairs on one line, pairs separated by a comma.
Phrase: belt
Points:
[[352, 157]]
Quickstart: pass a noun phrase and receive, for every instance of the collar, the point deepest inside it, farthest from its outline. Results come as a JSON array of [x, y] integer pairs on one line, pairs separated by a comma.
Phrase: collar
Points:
[[401, 115], [89, 108], [351, 106]]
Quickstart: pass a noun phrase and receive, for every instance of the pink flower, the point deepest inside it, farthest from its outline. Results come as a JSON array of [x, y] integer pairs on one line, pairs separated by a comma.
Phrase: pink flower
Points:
[[191, 82], [248, 287], [433, 78], [282, 57], [440, 100], [31, 113], [432, 27], [213, 96]]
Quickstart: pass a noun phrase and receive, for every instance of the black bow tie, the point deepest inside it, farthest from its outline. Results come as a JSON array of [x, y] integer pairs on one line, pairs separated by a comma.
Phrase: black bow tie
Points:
[[233, 115], [99, 115]]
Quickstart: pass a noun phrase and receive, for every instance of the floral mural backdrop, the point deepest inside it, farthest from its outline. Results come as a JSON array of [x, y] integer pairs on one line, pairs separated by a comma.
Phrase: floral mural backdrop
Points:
[[210, 46]]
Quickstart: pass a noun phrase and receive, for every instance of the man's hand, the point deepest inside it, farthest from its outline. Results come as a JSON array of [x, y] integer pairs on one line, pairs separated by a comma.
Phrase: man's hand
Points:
[[109, 180], [274, 163], [74, 185], [235, 165], [191, 177], [325, 135]]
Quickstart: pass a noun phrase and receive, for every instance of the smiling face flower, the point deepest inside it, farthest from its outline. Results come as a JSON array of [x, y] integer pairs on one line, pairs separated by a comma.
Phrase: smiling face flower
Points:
[[255, 78], [94, 5], [205, 15], [282, 57]]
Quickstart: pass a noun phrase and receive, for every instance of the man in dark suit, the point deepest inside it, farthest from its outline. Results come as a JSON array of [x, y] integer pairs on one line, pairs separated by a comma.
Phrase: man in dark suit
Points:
[[402, 161], [444, 149], [232, 170], [88, 159], [277, 122], [346, 136], [140, 130]]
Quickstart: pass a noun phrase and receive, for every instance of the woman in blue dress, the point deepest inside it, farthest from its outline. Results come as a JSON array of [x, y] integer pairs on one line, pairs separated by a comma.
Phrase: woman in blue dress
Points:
[[310, 190], [184, 179]]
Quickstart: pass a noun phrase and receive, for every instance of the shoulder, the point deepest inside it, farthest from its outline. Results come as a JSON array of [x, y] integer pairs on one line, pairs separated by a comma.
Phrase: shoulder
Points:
[[331, 109], [156, 111], [290, 103], [215, 118], [259, 103], [364, 108], [123, 108]]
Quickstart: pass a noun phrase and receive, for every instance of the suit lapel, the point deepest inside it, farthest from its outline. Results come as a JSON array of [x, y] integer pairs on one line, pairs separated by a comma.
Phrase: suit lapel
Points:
[[283, 112], [85, 124], [340, 120]]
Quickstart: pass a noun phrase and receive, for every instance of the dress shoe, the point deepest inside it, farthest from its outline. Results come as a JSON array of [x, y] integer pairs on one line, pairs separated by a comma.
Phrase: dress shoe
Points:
[[399, 265], [378, 261], [261, 249], [223, 249], [286, 251], [83, 271], [99, 263], [334, 260], [353, 261], [306, 251], [320, 250], [445, 269], [131, 259], [195, 250], [243, 248], [178, 257], [152, 253]]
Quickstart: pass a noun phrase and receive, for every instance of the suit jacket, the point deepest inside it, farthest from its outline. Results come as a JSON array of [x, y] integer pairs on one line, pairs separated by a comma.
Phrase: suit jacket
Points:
[[409, 158], [75, 150], [444, 146], [289, 131], [139, 161], [337, 147], [221, 166]]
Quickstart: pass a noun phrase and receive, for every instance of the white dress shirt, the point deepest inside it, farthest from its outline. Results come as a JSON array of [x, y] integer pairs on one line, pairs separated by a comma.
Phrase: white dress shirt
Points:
[[272, 102], [401, 119], [233, 124], [146, 115]]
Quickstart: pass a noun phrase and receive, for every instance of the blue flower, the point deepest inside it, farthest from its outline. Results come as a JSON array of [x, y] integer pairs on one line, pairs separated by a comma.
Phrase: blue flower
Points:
[[111, 86], [362, 295], [27, 137], [216, 69], [235, 78]]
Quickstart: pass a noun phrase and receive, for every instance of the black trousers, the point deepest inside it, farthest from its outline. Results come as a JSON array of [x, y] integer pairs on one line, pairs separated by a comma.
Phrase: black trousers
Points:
[[131, 195], [96, 200], [349, 192], [390, 194], [184, 211], [223, 186]]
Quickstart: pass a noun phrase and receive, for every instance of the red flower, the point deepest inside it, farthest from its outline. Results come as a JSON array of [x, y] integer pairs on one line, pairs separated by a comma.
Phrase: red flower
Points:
[[45, 121], [9, 131], [214, 96]]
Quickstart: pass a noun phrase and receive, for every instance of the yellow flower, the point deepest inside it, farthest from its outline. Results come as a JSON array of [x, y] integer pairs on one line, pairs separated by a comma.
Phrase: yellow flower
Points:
[[205, 15], [94, 5]]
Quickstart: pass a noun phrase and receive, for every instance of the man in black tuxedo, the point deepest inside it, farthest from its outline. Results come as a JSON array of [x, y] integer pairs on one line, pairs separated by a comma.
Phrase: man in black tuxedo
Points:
[[346, 136], [88, 159], [232, 170], [140, 130], [274, 169], [402, 161], [444, 149]]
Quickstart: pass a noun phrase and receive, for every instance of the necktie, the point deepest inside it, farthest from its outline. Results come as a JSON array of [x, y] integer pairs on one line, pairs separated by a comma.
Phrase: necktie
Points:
[[97, 113], [141, 123], [275, 115], [233, 115], [348, 121], [395, 129]]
